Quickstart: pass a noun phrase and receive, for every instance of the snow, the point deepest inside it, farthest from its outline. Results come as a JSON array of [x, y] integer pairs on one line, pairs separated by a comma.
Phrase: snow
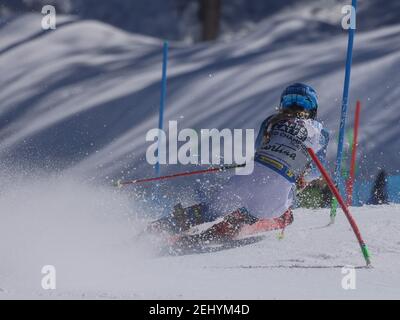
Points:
[[83, 231]]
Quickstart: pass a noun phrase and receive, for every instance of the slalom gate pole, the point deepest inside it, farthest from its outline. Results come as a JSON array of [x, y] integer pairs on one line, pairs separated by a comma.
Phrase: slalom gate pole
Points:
[[121, 184], [346, 210], [346, 173], [345, 101], [162, 101], [350, 185]]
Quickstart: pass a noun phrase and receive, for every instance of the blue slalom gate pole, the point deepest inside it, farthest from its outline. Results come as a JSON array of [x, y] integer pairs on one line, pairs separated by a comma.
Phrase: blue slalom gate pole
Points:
[[345, 103], [162, 101]]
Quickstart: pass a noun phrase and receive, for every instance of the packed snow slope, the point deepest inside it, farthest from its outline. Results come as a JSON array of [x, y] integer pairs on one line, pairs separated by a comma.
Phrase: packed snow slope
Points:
[[83, 97], [84, 232]]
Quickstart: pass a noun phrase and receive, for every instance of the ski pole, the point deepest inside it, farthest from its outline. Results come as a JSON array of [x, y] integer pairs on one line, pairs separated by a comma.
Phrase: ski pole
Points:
[[343, 116], [121, 184], [346, 210]]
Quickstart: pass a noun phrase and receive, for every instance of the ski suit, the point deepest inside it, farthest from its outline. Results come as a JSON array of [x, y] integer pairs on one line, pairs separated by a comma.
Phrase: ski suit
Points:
[[281, 158]]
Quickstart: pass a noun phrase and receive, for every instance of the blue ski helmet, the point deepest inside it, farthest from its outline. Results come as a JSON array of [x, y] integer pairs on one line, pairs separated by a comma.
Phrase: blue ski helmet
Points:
[[300, 95]]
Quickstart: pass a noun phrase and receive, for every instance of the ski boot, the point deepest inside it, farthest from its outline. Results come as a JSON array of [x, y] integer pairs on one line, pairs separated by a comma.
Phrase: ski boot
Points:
[[264, 225], [230, 226], [180, 220]]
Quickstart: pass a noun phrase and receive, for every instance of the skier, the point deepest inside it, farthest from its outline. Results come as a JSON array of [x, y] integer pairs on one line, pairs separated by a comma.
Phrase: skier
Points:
[[263, 201]]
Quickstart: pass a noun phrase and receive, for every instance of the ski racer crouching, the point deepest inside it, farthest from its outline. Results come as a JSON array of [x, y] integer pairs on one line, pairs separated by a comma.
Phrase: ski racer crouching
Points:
[[263, 201]]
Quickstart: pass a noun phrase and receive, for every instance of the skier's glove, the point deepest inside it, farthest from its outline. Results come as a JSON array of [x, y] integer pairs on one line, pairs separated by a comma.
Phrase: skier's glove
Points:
[[301, 183]]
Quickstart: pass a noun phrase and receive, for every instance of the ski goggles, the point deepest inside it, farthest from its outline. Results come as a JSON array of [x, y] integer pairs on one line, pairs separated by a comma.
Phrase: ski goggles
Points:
[[304, 102]]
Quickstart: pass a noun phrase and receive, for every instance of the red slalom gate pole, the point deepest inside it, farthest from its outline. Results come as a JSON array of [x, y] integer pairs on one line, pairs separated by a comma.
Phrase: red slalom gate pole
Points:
[[346, 210], [121, 184], [352, 174]]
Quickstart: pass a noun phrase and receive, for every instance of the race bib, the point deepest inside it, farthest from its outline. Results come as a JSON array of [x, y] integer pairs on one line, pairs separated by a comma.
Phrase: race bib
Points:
[[284, 147]]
